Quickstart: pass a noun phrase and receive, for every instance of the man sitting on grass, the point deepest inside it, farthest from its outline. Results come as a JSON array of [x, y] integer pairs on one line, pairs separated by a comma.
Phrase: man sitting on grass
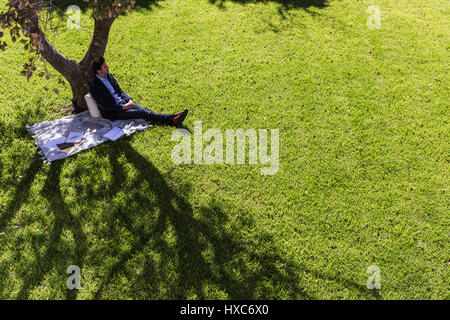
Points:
[[114, 104]]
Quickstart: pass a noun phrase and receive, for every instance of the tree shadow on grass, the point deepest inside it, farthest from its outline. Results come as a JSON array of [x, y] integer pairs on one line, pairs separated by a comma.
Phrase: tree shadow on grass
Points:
[[52, 258], [21, 193], [142, 5], [284, 11], [62, 5], [207, 255], [34, 272], [54, 253], [285, 4], [203, 253], [172, 251]]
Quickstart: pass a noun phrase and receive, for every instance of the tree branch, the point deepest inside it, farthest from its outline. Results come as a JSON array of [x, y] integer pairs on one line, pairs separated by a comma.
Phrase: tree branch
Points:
[[98, 44]]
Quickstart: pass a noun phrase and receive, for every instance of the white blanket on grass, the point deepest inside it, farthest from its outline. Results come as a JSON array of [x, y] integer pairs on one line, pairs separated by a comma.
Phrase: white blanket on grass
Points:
[[50, 133]]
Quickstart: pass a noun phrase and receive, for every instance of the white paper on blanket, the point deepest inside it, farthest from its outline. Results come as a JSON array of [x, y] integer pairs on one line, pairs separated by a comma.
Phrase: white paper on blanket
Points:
[[75, 136], [114, 134]]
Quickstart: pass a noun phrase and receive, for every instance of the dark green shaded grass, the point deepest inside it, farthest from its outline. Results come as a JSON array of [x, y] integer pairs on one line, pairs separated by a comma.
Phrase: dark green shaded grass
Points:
[[363, 177]]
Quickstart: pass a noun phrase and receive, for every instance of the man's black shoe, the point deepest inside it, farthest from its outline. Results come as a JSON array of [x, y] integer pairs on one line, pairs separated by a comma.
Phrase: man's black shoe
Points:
[[179, 117]]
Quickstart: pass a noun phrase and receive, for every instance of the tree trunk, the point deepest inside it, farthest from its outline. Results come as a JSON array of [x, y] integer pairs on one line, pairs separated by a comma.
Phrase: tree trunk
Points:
[[97, 48], [98, 43], [79, 89]]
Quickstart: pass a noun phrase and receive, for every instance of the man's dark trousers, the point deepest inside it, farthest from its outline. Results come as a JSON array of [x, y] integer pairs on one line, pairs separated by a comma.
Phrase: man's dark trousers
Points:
[[139, 112]]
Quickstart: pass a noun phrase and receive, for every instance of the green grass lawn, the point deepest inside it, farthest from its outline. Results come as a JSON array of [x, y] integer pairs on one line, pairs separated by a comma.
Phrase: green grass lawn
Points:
[[364, 158]]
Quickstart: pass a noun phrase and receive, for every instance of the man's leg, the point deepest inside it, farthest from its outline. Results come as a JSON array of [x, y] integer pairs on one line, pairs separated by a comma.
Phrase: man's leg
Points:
[[156, 117], [139, 112]]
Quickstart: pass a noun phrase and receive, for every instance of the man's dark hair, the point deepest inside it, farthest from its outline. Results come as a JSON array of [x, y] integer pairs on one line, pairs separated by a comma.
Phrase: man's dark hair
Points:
[[97, 64]]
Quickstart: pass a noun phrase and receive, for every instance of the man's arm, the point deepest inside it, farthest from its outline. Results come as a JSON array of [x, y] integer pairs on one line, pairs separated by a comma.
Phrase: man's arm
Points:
[[124, 96], [101, 100]]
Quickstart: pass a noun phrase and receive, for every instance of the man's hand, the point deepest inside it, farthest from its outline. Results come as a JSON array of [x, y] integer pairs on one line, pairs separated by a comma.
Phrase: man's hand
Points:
[[128, 105]]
